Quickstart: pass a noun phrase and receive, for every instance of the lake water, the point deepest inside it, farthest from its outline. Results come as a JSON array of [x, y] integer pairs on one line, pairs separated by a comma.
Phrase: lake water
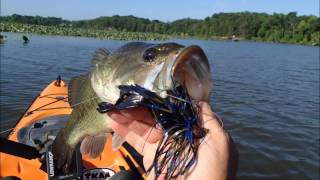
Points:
[[267, 94]]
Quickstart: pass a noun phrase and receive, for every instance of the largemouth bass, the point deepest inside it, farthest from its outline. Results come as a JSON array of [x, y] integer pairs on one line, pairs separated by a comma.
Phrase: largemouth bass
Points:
[[151, 66]]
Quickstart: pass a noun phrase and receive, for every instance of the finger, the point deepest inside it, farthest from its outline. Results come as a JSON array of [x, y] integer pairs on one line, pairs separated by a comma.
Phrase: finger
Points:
[[208, 117], [141, 128], [135, 140], [128, 115], [137, 113], [119, 128], [150, 133], [153, 135], [117, 116]]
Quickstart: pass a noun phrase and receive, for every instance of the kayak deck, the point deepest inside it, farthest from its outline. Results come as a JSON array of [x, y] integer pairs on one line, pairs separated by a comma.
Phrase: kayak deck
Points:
[[40, 124]]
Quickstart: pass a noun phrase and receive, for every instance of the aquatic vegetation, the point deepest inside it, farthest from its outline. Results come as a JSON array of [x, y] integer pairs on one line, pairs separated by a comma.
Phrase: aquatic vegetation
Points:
[[279, 28], [84, 32]]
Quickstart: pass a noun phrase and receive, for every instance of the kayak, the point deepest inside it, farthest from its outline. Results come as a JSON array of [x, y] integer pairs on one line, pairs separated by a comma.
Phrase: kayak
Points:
[[26, 154]]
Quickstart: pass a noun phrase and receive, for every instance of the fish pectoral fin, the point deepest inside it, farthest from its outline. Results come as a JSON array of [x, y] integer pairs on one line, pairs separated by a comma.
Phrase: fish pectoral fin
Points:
[[75, 86], [93, 145], [117, 141]]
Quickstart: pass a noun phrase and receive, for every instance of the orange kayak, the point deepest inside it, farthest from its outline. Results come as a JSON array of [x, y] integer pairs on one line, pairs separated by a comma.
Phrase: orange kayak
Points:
[[39, 125]]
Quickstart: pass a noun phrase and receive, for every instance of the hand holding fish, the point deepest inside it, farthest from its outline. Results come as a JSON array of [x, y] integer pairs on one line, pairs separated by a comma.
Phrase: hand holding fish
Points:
[[216, 154]]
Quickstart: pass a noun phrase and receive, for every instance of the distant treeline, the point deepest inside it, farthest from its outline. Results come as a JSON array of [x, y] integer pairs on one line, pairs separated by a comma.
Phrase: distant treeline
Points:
[[287, 28]]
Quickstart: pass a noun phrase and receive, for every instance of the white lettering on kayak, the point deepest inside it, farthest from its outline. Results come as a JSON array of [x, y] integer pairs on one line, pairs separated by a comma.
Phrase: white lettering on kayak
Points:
[[51, 164], [98, 174]]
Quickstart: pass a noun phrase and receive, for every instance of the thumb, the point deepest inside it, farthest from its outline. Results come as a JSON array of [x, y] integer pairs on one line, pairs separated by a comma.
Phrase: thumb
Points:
[[208, 118]]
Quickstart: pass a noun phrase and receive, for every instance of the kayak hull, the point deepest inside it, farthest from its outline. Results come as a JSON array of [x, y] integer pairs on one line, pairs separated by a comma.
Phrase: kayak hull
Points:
[[53, 102]]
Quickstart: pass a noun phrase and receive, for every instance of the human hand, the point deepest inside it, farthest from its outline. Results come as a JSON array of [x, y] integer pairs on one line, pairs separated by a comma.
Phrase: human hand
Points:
[[217, 155]]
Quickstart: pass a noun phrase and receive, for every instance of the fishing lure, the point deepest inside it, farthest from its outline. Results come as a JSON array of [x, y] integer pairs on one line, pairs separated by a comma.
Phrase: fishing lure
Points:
[[177, 115]]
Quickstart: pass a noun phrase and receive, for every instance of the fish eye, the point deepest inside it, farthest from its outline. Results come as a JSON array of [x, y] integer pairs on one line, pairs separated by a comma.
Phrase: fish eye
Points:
[[149, 55]]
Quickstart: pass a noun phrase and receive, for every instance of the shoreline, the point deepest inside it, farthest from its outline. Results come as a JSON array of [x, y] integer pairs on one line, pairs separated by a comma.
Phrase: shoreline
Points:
[[120, 35]]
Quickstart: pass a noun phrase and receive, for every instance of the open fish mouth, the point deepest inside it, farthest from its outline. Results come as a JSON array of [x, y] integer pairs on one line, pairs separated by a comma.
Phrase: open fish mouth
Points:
[[192, 70]]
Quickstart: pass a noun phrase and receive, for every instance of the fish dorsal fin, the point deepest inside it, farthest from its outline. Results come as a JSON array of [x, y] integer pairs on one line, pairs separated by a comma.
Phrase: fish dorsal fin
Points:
[[93, 145], [75, 86], [117, 141], [100, 57]]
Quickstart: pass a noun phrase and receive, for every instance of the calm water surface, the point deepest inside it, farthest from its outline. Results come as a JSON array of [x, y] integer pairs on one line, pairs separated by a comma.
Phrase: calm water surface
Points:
[[267, 94]]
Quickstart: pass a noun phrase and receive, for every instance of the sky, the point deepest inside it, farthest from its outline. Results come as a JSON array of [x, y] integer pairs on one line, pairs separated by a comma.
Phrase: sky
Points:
[[164, 10]]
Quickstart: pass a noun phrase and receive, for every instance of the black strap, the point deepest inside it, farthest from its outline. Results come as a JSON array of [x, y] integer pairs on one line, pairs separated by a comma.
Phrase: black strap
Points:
[[18, 149]]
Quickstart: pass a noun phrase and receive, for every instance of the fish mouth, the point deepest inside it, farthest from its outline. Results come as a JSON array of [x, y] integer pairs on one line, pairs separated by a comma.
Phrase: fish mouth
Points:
[[192, 70]]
